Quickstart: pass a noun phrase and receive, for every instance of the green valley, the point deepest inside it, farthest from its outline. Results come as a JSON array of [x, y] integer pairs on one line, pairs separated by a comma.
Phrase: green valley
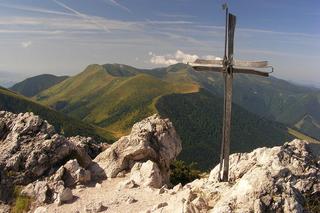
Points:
[[198, 119], [16, 103]]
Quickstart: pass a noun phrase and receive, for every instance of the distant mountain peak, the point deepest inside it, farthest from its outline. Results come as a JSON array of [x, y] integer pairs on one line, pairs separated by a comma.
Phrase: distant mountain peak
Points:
[[34, 85]]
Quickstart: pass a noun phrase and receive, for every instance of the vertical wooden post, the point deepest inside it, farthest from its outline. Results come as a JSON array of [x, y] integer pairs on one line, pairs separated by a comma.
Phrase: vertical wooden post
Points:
[[228, 78], [227, 123], [225, 59]]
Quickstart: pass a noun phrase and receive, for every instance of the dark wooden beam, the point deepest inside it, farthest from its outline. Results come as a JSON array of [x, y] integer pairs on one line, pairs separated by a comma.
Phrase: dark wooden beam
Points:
[[250, 71]]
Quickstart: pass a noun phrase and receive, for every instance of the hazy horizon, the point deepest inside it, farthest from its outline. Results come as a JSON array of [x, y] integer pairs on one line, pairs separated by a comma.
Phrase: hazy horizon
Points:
[[62, 37]]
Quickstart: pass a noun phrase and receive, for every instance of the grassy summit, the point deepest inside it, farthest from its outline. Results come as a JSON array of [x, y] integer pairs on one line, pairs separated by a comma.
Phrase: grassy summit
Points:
[[111, 97]]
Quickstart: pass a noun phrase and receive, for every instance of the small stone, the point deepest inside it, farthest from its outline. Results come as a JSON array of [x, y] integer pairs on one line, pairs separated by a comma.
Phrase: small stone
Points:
[[266, 200], [121, 174], [80, 186], [163, 189], [159, 206], [257, 206], [94, 207], [28, 190], [65, 196], [316, 188], [83, 176], [41, 209], [177, 187], [129, 184], [98, 185], [200, 203], [131, 200]]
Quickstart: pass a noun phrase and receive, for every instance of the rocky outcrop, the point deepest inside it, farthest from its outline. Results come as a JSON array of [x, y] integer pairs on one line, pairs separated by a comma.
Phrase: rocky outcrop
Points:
[[31, 149], [153, 139], [57, 187], [279, 179], [55, 170]]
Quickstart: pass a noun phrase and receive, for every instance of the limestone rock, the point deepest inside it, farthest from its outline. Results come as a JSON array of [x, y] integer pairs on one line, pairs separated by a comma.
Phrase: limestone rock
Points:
[[147, 174], [95, 207], [128, 184], [152, 139], [83, 176], [30, 148], [159, 206], [267, 179], [273, 179], [64, 196]]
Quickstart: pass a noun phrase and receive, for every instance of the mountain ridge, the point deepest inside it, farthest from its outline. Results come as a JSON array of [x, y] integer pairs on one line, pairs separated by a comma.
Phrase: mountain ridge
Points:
[[272, 98]]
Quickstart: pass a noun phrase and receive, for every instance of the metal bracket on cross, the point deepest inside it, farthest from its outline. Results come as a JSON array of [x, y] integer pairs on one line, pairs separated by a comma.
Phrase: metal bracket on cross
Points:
[[228, 66]]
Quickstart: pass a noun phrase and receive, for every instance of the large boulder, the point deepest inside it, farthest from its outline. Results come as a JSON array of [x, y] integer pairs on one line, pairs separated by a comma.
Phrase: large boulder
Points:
[[30, 149], [152, 139]]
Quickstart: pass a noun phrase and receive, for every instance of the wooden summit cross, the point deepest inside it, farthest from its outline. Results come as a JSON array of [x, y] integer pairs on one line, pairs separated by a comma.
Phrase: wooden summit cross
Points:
[[228, 66]]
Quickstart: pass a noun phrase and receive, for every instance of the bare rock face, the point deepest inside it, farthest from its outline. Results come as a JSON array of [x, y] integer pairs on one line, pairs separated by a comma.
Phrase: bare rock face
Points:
[[153, 139], [30, 149], [274, 179]]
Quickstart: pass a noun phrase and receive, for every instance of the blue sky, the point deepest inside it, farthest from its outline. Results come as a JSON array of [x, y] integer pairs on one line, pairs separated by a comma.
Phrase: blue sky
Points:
[[64, 36]]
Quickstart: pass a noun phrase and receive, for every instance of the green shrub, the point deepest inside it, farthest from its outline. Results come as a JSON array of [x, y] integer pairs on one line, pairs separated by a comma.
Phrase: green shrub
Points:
[[21, 203], [183, 173]]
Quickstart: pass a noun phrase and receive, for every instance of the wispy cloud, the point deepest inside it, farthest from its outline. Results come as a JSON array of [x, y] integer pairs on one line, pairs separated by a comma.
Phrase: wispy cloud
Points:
[[175, 15], [35, 9], [168, 22], [87, 18], [35, 32], [261, 31], [62, 25], [26, 44], [115, 3]]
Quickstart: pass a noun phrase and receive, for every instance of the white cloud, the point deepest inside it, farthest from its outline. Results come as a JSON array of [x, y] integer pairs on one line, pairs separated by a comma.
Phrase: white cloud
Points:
[[26, 44], [212, 57], [163, 60], [178, 57], [184, 57]]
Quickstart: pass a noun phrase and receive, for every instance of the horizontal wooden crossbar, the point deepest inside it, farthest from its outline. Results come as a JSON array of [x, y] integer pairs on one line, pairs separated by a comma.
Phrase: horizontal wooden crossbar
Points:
[[236, 63], [211, 62], [250, 71], [250, 64], [235, 70]]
